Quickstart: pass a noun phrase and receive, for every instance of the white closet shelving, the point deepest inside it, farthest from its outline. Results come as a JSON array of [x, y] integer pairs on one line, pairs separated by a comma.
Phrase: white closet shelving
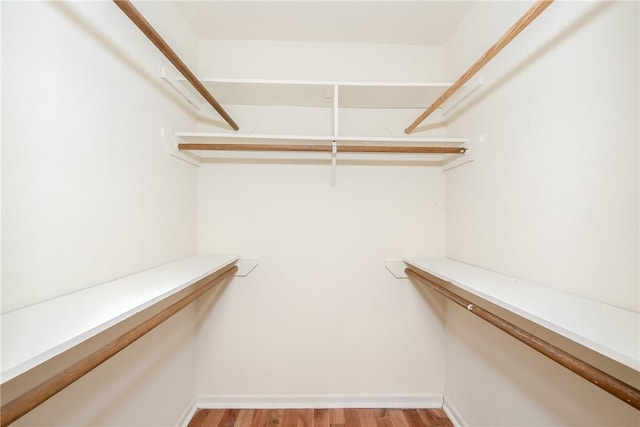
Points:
[[334, 97], [37, 333], [203, 137], [611, 331], [320, 93]]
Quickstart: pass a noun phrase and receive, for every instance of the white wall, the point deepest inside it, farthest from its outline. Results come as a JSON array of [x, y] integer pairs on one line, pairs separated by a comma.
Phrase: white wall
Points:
[[150, 383], [320, 315], [494, 380], [320, 61], [89, 193], [552, 197], [320, 318]]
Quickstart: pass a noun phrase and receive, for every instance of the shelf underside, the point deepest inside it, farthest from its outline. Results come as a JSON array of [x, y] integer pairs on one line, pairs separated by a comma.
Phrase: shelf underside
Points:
[[214, 138], [202, 146]]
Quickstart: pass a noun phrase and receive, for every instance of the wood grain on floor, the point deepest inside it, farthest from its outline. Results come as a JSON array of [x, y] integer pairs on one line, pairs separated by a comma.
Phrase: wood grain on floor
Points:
[[320, 418]]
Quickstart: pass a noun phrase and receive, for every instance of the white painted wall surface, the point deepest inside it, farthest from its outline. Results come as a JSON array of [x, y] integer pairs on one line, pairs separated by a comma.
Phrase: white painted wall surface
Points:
[[320, 315], [150, 383], [494, 380], [89, 193], [320, 61], [552, 197], [319, 318]]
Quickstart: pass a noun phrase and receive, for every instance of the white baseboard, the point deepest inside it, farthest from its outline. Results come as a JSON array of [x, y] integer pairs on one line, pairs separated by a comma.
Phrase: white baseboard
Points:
[[453, 414], [320, 401], [285, 401], [188, 413]]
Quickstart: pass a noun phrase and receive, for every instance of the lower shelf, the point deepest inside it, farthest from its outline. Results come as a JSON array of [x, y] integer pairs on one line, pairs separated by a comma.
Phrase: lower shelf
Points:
[[611, 331], [74, 318]]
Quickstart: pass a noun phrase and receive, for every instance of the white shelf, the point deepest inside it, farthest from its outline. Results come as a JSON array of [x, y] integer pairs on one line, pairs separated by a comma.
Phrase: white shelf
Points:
[[393, 97], [218, 137], [35, 334], [270, 92], [608, 330], [259, 139], [320, 93]]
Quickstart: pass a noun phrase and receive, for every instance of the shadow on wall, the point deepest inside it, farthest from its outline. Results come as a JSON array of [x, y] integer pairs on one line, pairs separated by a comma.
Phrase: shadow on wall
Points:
[[320, 162], [597, 9], [436, 302], [515, 369], [91, 399], [207, 302], [154, 80]]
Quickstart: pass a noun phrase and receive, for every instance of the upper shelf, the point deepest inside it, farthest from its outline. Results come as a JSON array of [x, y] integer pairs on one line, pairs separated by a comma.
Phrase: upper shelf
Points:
[[608, 330], [74, 318], [330, 96], [321, 93]]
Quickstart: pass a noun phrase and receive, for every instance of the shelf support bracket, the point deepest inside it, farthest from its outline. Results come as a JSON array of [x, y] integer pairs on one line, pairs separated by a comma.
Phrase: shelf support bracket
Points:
[[474, 146], [396, 267], [246, 265], [176, 86], [171, 146]]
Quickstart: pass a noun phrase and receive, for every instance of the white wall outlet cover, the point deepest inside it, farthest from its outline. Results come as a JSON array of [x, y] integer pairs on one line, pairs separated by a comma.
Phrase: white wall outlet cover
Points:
[[396, 267], [246, 265]]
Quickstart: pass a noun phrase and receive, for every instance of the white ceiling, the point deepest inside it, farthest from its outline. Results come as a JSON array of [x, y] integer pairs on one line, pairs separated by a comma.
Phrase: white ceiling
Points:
[[401, 22]]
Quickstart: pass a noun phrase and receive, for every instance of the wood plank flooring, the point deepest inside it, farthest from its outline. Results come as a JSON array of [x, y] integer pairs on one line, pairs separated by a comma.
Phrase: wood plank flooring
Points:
[[320, 418]]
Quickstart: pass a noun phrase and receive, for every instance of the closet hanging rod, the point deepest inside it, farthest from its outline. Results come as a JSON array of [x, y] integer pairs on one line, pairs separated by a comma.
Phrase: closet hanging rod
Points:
[[58, 382], [136, 17], [608, 383], [324, 148], [521, 24]]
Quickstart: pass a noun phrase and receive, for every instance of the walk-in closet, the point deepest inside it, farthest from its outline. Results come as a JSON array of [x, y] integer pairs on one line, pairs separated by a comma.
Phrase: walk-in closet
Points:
[[320, 213]]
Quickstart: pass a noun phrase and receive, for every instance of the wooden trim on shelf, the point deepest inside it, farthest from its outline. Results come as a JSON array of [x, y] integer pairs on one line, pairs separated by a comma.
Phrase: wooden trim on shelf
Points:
[[212, 137], [521, 24], [323, 148], [256, 147], [39, 394], [136, 17], [398, 149], [608, 383]]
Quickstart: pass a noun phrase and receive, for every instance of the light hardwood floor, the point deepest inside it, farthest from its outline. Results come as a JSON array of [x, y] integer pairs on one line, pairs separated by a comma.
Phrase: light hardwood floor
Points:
[[320, 418]]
